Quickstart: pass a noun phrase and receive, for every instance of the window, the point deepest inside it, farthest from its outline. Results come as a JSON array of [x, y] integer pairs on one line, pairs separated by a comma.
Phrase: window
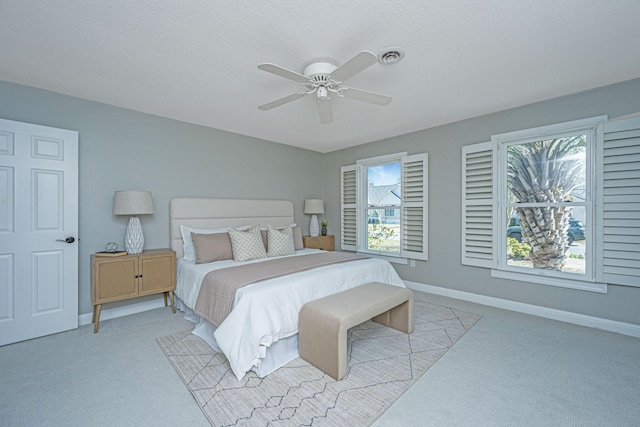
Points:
[[383, 196], [545, 185], [384, 209], [545, 198], [556, 205]]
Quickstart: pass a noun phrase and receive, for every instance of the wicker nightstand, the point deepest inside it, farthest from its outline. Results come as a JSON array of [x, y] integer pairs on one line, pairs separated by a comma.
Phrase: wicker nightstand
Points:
[[321, 242]]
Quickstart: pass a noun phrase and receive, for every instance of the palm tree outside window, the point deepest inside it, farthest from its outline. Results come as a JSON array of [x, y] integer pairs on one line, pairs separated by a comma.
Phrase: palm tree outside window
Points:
[[545, 200]]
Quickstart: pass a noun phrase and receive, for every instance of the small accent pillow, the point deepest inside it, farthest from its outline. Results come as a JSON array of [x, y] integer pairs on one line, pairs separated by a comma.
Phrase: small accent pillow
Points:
[[247, 245], [212, 247], [280, 241]]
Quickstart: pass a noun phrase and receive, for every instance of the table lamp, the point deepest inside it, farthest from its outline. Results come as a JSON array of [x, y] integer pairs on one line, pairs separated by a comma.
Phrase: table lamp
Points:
[[133, 203], [313, 207]]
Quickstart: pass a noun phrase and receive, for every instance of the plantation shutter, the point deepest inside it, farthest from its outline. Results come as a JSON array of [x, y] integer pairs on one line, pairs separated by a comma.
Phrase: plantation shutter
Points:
[[414, 207], [621, 203], [477, 205], [349, 208]]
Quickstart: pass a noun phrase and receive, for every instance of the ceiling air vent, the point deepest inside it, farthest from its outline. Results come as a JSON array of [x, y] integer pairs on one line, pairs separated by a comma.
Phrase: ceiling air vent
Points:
[[391, 55]]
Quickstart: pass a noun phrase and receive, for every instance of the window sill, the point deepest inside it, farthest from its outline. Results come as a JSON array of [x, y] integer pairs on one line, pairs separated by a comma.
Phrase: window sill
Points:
[[581, 285], [391, 259]]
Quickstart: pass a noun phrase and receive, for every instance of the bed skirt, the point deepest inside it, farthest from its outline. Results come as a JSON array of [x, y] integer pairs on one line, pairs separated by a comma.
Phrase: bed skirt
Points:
[[278, 354]]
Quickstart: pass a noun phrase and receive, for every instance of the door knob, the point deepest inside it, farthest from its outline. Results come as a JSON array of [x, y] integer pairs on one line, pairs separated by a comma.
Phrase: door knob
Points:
[[67, 240]]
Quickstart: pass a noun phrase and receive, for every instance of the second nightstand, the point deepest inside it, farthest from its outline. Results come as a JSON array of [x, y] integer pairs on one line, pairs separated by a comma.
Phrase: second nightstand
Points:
[[321, 242]]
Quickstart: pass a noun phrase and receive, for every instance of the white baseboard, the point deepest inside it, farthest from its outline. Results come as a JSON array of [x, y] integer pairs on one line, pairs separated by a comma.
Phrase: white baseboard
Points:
[[112, 313], [535, 310]]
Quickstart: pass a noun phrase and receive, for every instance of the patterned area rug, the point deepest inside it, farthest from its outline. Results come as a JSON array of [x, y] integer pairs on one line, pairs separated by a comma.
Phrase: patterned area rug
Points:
[[382, 364]]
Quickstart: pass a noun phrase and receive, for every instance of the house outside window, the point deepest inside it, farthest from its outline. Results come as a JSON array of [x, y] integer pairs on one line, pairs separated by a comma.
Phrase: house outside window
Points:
[[384, 190], [384, 206]]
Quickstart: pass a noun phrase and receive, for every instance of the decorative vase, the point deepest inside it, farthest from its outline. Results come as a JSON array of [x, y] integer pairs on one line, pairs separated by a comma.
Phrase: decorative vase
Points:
[[324, 231], [134, 239], [314, 227]]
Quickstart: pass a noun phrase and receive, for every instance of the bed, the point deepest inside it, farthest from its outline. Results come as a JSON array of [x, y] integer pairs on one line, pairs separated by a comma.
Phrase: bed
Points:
[[259, 333]]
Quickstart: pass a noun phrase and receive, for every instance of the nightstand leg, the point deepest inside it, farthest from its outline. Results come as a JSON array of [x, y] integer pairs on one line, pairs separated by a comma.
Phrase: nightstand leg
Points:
[[164, 295], [96, 317], [173, 305]]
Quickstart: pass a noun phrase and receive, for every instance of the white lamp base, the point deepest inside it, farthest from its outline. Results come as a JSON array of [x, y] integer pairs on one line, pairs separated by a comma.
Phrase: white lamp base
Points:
[[134, 239], [314, 227]]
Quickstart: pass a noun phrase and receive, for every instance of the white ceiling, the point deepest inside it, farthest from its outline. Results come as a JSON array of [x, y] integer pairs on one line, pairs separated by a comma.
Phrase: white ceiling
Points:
[[196, 60]]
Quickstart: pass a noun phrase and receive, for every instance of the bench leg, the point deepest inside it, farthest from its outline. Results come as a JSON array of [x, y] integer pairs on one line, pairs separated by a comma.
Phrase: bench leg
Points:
[[323, 343], [399, 317]]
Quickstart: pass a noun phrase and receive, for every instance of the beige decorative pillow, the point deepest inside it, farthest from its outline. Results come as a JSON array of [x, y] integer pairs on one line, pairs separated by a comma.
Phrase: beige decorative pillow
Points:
[[247, 244], [212, 247], [188, 251], [297, 238], [280, 241]]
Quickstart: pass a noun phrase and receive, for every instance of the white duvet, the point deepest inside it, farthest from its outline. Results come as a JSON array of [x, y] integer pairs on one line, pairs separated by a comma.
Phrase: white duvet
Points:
[[267, 311]]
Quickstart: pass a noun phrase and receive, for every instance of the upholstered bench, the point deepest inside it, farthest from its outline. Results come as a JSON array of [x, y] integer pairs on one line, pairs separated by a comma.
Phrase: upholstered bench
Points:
[[323, 323]]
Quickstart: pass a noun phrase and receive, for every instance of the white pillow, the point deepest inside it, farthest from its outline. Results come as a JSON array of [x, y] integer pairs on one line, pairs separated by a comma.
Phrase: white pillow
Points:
[[189, 251], [247, 244], [280, 227], [280, 241]]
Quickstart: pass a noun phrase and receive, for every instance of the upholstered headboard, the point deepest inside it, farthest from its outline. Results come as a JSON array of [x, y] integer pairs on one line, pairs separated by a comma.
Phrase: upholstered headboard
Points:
[[219, 213]]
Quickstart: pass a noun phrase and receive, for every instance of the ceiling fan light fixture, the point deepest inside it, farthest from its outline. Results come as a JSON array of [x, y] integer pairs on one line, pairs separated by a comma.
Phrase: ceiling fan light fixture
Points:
[[391, 55], [322, 94]]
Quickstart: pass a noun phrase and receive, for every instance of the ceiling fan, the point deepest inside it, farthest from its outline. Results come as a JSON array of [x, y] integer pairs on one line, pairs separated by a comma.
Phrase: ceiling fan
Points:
[[325, 78]]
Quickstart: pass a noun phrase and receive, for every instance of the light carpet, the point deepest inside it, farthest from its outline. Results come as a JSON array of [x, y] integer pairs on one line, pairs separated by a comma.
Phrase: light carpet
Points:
[[382, 364]]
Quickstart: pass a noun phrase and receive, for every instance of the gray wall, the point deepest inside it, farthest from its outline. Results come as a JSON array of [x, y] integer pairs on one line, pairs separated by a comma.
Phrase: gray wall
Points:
[[125, 150], [122, 149], [444, 145]]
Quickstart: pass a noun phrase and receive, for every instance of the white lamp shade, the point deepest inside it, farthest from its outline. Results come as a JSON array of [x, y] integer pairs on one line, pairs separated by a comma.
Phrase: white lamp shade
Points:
[[313, 206], [132, 203]]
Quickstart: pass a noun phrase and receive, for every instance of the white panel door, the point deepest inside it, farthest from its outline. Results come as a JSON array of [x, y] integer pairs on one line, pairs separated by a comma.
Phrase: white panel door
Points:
[[38, 231]]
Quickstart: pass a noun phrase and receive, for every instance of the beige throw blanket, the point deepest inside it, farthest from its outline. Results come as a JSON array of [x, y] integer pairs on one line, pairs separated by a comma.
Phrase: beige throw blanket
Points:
[[218, 289]]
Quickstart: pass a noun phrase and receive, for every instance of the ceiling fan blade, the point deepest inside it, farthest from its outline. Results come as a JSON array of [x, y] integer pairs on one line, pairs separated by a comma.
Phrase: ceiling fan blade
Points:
[[363, 95], [279, 102], [325, 111], [361, 61], [283, 72]]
